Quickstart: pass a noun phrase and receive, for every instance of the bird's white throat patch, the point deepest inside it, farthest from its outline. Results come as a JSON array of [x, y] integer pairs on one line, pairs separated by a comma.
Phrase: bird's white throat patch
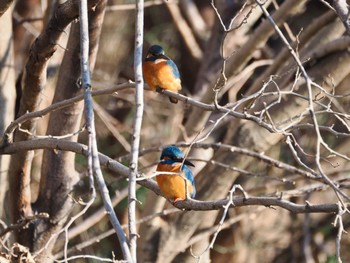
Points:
[[159, 60]]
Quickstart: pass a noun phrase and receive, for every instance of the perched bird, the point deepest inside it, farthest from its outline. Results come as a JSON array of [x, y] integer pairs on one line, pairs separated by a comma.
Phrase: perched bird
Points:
[[173, 186], [160, 72]]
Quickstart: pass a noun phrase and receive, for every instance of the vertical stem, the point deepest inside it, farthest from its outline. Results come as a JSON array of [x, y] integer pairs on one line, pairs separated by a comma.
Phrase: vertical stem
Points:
[[137, 127], [94, 163], [7, 94]]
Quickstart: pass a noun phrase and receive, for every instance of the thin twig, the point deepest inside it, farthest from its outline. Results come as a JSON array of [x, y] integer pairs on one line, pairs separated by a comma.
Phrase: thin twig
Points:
[[91, 257], [226, 207], [151, 3], [339, 220], [307, 252], [23, 222]]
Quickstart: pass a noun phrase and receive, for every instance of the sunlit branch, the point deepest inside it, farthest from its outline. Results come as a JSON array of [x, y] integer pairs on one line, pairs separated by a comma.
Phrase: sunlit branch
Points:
[[189, 204], [137, 125]]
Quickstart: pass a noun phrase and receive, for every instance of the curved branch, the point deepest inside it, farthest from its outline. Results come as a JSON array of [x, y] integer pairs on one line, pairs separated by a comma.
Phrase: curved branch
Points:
[[56, 106], [234, 149], [189, 204], [7, 138]]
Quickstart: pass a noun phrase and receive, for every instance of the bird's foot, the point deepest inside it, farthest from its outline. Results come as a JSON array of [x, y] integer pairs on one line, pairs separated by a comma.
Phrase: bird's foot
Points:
[[159, 90], [178, 199]]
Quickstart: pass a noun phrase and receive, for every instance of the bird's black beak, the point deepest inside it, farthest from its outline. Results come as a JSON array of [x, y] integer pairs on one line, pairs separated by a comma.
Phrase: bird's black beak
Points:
[[189, 163], [180, 160], [163, 56]]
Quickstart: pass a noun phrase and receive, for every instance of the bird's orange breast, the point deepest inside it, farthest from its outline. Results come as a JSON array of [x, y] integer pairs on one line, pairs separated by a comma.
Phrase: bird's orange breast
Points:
[[159, 74], [173, 186]]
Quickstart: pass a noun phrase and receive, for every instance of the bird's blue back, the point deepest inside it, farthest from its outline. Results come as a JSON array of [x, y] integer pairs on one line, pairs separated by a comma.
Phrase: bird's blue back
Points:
[[174, 68], [189, 176]]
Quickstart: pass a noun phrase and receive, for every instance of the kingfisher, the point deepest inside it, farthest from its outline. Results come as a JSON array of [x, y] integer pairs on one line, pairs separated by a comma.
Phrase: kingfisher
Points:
[[173, 186], [160, 72]]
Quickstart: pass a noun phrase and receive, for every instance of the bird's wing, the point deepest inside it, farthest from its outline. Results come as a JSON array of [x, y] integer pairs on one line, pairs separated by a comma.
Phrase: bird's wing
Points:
[[189, 177], [174, 68]]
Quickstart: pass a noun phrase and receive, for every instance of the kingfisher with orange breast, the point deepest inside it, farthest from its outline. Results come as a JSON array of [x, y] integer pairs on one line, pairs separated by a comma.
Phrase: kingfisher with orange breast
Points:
[[173, 186], [160, 72]]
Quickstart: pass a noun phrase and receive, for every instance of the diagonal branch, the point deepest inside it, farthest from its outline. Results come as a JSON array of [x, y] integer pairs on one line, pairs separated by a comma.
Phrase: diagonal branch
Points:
[[189, 204]]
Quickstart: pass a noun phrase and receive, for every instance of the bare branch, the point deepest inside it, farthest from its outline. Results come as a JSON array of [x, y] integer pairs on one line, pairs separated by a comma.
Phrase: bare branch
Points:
[[23, 223], [150, 3], [56, 106], [342, 9], [339, 221], [311, 102], [94, 167], [136, 135], [222, 220], [189, 204]]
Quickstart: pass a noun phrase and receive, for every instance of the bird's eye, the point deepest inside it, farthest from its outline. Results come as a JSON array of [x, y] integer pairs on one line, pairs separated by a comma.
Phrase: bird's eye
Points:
[[176, 159]]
